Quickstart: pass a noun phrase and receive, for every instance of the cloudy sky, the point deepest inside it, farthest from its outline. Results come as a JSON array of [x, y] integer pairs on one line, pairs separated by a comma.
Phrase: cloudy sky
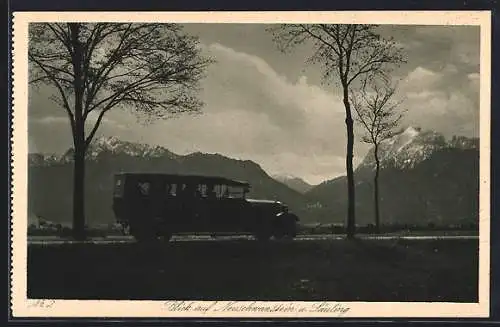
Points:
[[272, 108]]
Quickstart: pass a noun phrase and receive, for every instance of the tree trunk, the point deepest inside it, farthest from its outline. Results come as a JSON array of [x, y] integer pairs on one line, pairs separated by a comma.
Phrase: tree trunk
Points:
[[78, 136], [375, 193], [79, 192], [351, 218]]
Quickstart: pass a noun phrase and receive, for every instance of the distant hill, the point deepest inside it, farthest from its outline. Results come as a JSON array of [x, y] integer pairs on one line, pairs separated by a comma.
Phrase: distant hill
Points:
[[294, 183], [50, 178], [424, 179]]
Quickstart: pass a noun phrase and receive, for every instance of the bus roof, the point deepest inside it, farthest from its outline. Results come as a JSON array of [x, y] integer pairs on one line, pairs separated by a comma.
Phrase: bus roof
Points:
[[195, 179]]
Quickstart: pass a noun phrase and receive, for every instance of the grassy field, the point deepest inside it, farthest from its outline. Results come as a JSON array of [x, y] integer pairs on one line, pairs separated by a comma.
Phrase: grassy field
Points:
[[334, 270]]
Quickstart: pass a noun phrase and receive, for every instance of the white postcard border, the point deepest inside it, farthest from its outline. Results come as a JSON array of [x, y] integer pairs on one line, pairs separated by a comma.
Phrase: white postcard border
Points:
[[23, 307]]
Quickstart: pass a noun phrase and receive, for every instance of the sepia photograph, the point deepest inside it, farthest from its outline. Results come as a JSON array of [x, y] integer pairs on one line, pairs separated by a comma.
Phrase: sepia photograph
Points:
[[272, 167]]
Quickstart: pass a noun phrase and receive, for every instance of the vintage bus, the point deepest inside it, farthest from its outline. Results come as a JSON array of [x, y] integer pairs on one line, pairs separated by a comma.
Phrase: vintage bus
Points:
[[153, 206]]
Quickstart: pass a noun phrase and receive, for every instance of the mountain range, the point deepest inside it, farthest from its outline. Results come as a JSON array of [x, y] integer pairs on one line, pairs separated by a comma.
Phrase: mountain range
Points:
[[424, 178], [50, 177], [411, 146]]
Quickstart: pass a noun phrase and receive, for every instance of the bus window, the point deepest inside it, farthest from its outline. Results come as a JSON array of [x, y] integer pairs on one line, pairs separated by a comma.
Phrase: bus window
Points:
[[144, 187], [203, 190], [119, 187], [221, 191], [172, 189]]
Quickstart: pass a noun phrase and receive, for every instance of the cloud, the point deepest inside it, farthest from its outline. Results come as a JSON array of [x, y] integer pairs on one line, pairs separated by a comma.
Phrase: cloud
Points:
[[462, 42], [49, 120], [446, 101], [90, 122], [240, 76], [422, 76], [251, 112], [419, 80]]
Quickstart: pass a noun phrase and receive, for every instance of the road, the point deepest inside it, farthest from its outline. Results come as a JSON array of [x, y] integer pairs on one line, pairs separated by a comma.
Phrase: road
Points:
[[53, 240]]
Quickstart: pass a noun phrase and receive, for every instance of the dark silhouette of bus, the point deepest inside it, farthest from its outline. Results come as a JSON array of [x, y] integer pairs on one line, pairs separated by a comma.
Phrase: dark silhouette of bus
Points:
[[153, 206]]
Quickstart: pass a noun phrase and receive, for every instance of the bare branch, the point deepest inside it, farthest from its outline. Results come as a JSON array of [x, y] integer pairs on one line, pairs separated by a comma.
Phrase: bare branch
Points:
[[49, 76], [96, 126], [149, 67], [348, 53], [377, 112]]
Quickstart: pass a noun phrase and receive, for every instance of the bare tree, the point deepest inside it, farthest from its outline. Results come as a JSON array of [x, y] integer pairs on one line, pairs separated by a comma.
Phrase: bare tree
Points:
[[154, 69], [379, 115], [353, 54]]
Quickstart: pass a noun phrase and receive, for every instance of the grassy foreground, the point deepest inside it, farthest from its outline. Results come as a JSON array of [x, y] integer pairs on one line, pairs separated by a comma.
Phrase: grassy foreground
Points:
[[333, 270]]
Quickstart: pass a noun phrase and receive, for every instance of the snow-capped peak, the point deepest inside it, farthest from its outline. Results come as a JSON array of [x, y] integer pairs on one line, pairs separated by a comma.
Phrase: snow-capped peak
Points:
[[399, 141], [406, 149], [111, 142], [114, 145]]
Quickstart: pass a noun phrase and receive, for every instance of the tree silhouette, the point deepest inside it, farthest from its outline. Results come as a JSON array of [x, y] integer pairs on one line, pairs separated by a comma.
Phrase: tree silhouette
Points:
[[154, 69], [353, 54], [378, 114]]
